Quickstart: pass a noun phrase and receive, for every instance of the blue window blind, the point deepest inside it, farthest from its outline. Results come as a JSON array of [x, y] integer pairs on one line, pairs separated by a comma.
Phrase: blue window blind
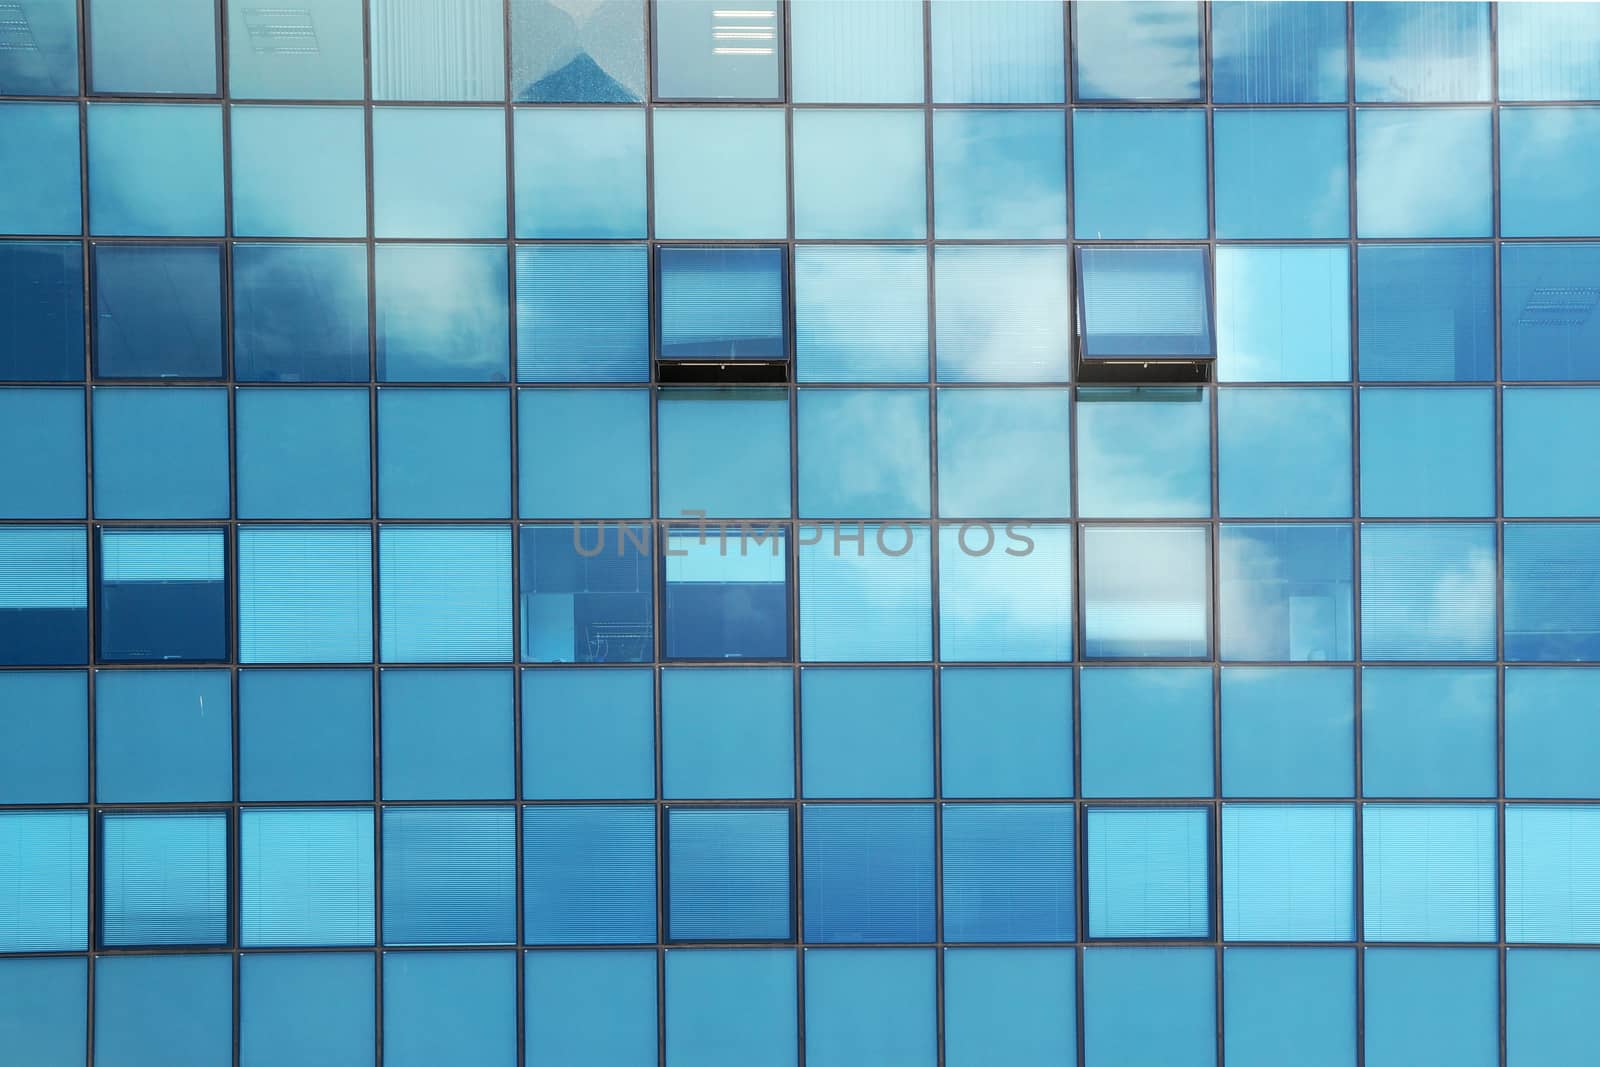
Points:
[[583, 313], [722, 303], [729, 874], [875, 1006], [868, 872], [865, 51], [586, 593], [598, 1006], [861, 313], [449, 876], [163, 737], [1291, 1005], [724, 604], [44, 881], [1002, 52], [305, 594], [1548, 329], [1432, 1005], [1428, 592], [1429, 872], [1122, 986], [1546, 51], [1427, 313], [875, 604], [173, 1010], [589, 875], [1552, 578], [41, 294], [1553, 873], [447, 734], [1288, 872], [1268, 52], [866, 732], [1153, 302], [1285, 592], [44, 737], [731, 1007], [446, 593], [1149, 872], [1004, 1005], [47, 1004], [438, 50], [1009, 873], [305, 735], [1283, 313], [164, 879], [1005, 731], [305, 1008], [44, 599], [163, 595], [449, 1007], [306, 876]]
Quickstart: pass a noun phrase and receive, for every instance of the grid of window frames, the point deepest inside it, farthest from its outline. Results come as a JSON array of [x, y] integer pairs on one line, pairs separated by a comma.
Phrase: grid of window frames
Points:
[[391, 661]]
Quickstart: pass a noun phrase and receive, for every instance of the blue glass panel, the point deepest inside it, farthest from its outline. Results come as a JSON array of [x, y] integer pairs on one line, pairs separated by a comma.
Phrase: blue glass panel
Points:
[[1120, 986], [1142, 453], [1427, 452], [1548, 186], [583, 313], [1269, 52], [1145, 302], [861, 311], [1432, 1005], [176, 1011], [724, 452], [447, 735], [1547, 297], [305, 1008], [301, 171], [725, 592], [163, 595], [302, 453], [1283, 314], [160, 453], [1423, 172], [744, 60], [1008, 598], [44, 898], [158, 311], [1149, 872], [305, 594], [443, 1007], [1008, 872], [1427, 312], [1288, 872], [588, 735], [300, 313], [1005, 732], [163, 737], [579, 172], [721, 303], [592, 54], [1289, 1005], [590, 1005], [1552, 882], [589, 875], [449, 876], [1552, 573], [614, 426], [1429, 872], [312, 51], [42, 431], [156, 170], [46, 1001], [719, 173], [1411, 52], [999, 174], [308, 877], [866, 732], [727, 732], [163, 879], [305, 735], [446, 593], [438, 50], [1288, 731], [877, 1005], [869, 601], [44, 60], [1546, 52], [731, 1007], [1146, 732], [997, 52], [729, 873], [1282, 174], [863, 453], [39, 169], [1552, 739], [1428, 592], [1000, 313], [1145, 592], [44, 598], [441, 313], [1139, 174], [41, 311], [1548, 993], [859, 174], [1285, 592], [172, 49], [439, 172], [1284, 452], [444, 453], [44, 737], [868, 872], [1003, 452], [1146, 51], [1428, 732], [1005, 1004], [855, 51], [585, 594]]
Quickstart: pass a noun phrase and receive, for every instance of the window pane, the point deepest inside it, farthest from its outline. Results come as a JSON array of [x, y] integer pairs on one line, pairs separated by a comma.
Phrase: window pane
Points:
[[583, 313], [1282, 174], [1427, 592], [1429, 872], [721, 303], [1266, 52], [160, 453], [1008, 872], [449, 876], [300, 313], [1427, 452], [1144, 302], [155, 170], [859, 174], [175, 1010], [856, 51], [719, 173], [999, 173], [39, 169], [726, 1007], [442, 313], [301, 171], [305, 594], [873, 1004], [163, 737], [598, 1004], [1143, 453], [1429, 732], [44, 737], [588, 734], [1545, 991], [164, 880], [1412, 52], [1550, 435], [1002, 313], [443, 1005], [1548, 293], [1285, 592], [724, 452], [861, 312], [1552, 886], [46, 426], [1423, 172], [1005, 732], [1546, 52], [44, 60], [614, 426], [48, 1000], [309, 52], [866, 732], [1294, 1002], [1146, 731], [1552, 575], [591, 54], [863, 453], [1149, 872], [867, 601], [438, 50], [705, 51], [1003, 452], [1427, 313], [446, 593], [44, 899], [1119, 987], [586, 594], [1547, 188], [1009, 601], [1283, 314], [725, 592], [1139, 174], [439, 172], [1284, 452], [728, 874], [997, 52], [168, 49], [868, 872], [1552, 739], [1145, 592], [579, 171], [1288, 731], [1287, 872], [1004, 1004], [444, 453], [297, 1006], [163, 595], [158, 311], [727, 733], [41, 311], [302, 453], [305, 735], [1137, 51], [589, 875]]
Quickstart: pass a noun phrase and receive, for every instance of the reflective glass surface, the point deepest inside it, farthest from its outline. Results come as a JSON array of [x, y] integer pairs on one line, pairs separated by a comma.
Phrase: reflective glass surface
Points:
[[1144, 302], [577, 53], [863, 452], [1281, 173], [438, 172], [1427, 453], [1000, 313], [999, 174], [441, 313], [1006, 597], [309, 52], [873, 602], [437, 49], [158, 311], [305, 594], [39, 168], [1145, 592], [1283, 313], [724, 453], [1146, 731], [725, 592], [1277, 52], [162, 597], [1410, 52], [299, 172], [160, 453], [1143, 453], [1551, 577], [721, 303], [444, 453], [615, 422], [1548, 440], [300, 313], [41, 293], [579, 173], [861, 313], [1137, 51], [1288, 731], [172, 49], [586, 594], [46, 426], [1428, 731], [45, 63], [706, 51], [1426, 312], [1544, 51], [1546, 188], [1283, 453], [997, 52], [719, 172], [155, 170], [1148, 180], [846, 51], [1547, 297], [1423, 172], [583, 313], [1285, 592], [1003, 452], [859, 174], [1427, 592]]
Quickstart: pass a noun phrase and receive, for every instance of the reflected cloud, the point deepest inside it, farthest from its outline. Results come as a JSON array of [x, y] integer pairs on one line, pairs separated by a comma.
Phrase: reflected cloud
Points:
[[861, 313], [442, 313], [1002, 314], [1137, 50], [1145, 592], [1423, 172], [994, 606], [1143, 453]]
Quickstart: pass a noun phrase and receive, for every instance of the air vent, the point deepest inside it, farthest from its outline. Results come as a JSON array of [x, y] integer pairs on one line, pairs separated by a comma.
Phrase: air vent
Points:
[[1562, 305], [15, 33], [281, 31]]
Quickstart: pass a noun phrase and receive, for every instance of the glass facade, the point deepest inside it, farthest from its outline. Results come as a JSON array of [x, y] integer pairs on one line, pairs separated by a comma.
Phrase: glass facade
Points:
[[836, 532]]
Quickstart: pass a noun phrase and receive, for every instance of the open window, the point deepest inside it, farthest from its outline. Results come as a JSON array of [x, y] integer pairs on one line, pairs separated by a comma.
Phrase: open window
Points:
[[723, 314], [1144, 315]]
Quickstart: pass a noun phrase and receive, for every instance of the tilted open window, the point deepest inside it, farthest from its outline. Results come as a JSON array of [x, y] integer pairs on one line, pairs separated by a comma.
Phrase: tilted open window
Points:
[[723, 314], [1144, 315]]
